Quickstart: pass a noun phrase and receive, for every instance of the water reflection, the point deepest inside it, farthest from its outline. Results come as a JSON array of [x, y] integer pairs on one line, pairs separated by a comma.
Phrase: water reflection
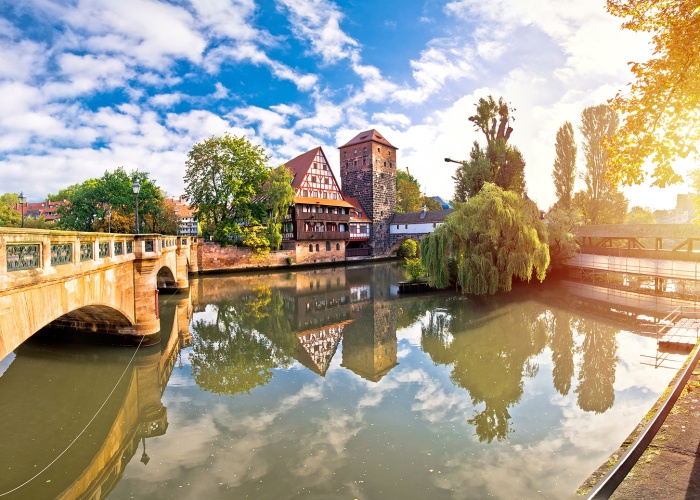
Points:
[[52, 390], [324, 383]]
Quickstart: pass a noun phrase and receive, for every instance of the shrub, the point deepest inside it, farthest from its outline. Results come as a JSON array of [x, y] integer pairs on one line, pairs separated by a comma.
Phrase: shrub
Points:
[[408, 249], [414, 269]]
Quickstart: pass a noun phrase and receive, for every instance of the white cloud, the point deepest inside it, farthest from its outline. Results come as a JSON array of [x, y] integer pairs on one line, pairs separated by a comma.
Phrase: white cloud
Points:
[[318, 23]]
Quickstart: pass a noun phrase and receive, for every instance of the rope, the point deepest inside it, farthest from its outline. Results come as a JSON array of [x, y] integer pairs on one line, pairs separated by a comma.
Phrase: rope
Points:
[[86, 425]]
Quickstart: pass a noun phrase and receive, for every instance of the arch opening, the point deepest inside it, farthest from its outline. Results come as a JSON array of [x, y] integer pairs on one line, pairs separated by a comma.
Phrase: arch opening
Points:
[[99, 321], [166, 280]]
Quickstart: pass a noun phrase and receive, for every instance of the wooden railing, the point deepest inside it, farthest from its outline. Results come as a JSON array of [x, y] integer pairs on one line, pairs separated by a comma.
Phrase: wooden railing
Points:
[[642, 253], [322, 235]]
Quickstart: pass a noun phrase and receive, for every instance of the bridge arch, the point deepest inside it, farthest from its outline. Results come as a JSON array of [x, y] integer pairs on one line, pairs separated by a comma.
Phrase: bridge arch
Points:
[[165, 279], [96, 318], [399, 239]]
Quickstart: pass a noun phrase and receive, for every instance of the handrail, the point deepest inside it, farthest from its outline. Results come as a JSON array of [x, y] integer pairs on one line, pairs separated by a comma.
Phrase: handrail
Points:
[[675, 313], [609, 483]]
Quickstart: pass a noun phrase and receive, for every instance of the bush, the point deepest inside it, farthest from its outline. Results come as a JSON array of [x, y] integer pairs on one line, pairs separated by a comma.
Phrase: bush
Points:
[[408, 249], [414, 269]]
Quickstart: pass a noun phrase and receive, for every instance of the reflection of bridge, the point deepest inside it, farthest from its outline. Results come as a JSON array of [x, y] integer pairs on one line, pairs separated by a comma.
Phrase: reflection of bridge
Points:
[[93, 466], [647, 263], [86, 281]]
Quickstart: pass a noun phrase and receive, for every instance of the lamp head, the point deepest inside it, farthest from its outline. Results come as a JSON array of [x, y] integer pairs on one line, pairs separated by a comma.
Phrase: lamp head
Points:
[[136, 187], [22, 198]]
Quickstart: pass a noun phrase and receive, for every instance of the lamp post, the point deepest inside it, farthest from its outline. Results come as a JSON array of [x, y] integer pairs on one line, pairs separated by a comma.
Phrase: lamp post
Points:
[[109, 220], [177, 222], [450, 160], [22, 202], [136, 187]]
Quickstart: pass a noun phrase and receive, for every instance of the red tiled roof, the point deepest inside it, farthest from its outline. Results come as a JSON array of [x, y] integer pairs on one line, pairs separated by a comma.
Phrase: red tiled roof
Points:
[[369, 135], [300, 165], [355, 203]]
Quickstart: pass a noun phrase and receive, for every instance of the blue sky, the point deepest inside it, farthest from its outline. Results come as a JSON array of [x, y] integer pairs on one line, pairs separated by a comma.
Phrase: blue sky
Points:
[[90, 85]]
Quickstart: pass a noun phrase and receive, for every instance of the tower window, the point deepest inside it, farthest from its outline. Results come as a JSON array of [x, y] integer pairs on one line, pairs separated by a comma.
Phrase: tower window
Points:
[[337, 247], [379, 149], [311, 249], [317, 247], [328, 246]]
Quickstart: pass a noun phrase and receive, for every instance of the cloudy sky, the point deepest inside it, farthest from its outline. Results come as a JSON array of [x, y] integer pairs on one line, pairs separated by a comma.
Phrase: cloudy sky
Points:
[[90, 85]]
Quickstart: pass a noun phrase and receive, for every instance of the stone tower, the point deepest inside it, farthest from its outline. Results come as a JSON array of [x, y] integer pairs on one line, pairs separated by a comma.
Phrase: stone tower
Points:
[[368, 173]]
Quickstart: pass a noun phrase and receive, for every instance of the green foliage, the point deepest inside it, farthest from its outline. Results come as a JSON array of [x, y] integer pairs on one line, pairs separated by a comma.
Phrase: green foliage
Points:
[[224, 177], [564, 173], [431, 203], [9, 199], [560, 231], [413, 269], [641, 215], [255, 237], [493, 119], [408, 196], [90, 201], [9, 217], [279, 196], [494, 237], [407, 249]]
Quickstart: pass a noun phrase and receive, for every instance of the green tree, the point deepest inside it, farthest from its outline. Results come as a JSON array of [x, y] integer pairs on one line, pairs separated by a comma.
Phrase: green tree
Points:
[[641, 215], [661, 109], [408, 196], [408, 249], [279, 196], [9, 199], [601, 202], [431, 203], [223, 181], [495, 236], [90, 201], [561, 239], [499, 163], [9, 217], [564, 173]]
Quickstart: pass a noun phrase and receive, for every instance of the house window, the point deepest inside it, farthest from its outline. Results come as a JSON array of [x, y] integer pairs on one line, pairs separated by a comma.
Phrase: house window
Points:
[[397, 226], [337, 247], [325, 195], [355, 151], [405, 226], [378, 149], [365, 150], [328, 246], [317, 247], [345, 154], [306, 193], [311, 248]]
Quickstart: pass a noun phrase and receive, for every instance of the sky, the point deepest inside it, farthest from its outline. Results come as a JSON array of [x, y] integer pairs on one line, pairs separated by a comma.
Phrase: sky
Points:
[[87, 86]]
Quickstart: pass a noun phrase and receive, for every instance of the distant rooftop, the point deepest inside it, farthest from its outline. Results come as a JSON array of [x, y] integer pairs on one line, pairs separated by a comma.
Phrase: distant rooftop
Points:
[[366, 136]]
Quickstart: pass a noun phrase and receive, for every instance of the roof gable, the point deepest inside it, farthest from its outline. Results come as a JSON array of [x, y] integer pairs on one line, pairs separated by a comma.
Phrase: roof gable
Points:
[[367, 136], [301, 166]]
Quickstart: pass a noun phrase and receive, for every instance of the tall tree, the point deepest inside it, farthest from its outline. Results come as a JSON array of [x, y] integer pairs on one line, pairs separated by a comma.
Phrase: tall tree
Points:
[[661, 109], [499, 163], [564, 173], [641, 215], [495, 236], [279, 196], [408, 197], [223, 180], [601, 202]]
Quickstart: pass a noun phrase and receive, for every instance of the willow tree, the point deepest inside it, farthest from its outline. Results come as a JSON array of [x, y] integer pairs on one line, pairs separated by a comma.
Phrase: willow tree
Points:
[[486, 242]]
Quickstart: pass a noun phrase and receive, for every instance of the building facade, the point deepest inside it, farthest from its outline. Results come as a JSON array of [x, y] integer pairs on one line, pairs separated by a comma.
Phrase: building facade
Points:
[[368, 174], [186, 221]]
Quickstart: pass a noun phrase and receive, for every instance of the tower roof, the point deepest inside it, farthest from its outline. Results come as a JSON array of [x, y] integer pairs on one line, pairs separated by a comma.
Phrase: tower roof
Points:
[[366, 136]]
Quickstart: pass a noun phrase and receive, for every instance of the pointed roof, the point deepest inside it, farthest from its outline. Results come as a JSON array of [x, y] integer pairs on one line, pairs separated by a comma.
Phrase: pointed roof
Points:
[[300, 165], [366, 136]]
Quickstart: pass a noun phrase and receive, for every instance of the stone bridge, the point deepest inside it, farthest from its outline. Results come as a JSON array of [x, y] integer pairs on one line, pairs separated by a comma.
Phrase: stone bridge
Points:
[[94, 282]]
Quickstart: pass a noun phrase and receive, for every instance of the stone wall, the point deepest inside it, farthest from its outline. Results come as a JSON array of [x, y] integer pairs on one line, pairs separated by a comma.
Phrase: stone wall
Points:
[[371, 178], [306, 256], [213, 257]]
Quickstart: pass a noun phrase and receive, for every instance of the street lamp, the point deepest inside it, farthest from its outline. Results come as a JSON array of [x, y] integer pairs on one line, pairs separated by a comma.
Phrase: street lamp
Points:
[[177, 222], [450, 160], [109, 220], [22, 201], [136, 187]]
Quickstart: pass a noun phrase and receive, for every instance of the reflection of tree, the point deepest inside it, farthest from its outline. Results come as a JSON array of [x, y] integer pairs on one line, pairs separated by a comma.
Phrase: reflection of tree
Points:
[[489, 356], [562, 345], [230, 355], [597, 369]]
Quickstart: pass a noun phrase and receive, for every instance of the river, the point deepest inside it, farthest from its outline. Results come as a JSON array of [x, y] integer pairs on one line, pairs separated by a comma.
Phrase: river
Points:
[[325, 383]]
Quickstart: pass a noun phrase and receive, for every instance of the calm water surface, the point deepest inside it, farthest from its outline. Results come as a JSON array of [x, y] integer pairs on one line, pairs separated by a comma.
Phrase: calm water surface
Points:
[[327, 384]]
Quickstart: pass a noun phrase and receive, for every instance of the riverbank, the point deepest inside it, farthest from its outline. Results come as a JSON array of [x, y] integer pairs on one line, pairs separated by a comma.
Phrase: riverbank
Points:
[[670, 466]]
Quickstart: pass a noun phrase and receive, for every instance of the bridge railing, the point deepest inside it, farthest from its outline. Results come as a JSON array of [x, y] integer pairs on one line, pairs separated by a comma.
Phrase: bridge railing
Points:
[[26, 253]]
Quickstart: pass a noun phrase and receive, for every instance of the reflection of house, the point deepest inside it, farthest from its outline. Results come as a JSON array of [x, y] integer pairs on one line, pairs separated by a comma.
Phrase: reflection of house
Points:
[[317, 347], [369, 343]]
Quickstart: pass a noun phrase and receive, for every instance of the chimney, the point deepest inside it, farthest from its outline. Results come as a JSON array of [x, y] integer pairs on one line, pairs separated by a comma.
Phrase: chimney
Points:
[[422, 212]]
